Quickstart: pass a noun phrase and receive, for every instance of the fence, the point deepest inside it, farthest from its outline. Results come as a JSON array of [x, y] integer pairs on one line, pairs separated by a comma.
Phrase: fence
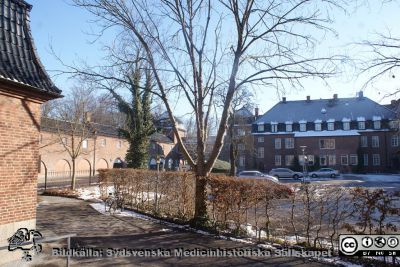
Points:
[[61, 179], [310, 215]]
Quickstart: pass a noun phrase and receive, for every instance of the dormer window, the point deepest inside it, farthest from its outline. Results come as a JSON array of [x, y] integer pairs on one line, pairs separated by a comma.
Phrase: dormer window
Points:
[[318, 125], [274, 127], [260, 127], [289, 126], [331, 125], [377, 122], [303, 126], [346, 124], [361, 123]]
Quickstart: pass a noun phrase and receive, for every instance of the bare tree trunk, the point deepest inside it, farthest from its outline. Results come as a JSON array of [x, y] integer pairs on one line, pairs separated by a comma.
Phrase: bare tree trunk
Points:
[[73, 178]]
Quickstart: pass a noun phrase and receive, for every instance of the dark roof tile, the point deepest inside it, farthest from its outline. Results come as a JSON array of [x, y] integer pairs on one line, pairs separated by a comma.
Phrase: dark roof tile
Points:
[[19, 60]]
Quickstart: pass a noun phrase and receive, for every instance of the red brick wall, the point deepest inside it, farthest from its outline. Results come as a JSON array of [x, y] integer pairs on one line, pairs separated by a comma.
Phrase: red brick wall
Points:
[[19, 131]]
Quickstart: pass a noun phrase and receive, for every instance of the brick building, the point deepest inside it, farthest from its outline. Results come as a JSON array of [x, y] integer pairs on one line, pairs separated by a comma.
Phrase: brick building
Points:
[[24, 86], [101, 148], [348, 134]]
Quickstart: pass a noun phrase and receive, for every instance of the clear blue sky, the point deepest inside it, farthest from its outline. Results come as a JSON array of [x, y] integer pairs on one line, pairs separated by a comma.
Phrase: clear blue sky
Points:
[[65, 27]]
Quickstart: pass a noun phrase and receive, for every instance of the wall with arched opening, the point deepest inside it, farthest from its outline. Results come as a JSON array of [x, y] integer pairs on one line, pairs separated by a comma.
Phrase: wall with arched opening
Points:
[[101, 164], [83, 168]]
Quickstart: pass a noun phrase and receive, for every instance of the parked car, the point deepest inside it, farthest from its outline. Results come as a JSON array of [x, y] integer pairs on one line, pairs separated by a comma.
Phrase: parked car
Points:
[[325, 172], [257, 175], [285, 173]]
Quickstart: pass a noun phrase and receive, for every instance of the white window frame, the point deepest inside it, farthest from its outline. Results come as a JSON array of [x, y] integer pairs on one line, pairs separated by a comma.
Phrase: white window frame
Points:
[[289, 160], [289, 127], [331, 160], [346, 126], [310, 158], [85, 144], [103, 142], [375, 141], [260, 152], [318, 126], [377, 124], [241, 132], [260, 139], [303, 127], [260, 127], [330, 143], [119, 144], [278, 160], [241, 147], [376, 159], [353, 160], [331, 126], [278, 143], [242, 161], [364, 141], [344, 160], [289, 143], [394, 141], [274, 127], [365, 159], [361, 125]]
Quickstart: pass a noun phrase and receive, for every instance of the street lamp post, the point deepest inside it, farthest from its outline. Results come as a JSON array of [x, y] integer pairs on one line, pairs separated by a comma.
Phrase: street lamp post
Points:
[[303, 150], [158, 160]]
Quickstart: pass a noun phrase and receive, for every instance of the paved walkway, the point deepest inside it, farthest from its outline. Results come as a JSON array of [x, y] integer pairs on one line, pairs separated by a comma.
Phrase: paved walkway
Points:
[[61, 216]]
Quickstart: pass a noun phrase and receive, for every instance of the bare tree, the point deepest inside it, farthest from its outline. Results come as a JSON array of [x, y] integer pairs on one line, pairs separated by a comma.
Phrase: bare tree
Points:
[[72, 124], [265, 43], [384, 59]]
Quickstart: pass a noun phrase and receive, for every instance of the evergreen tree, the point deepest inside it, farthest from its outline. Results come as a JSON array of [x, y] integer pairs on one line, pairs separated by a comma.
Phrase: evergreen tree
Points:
[[139, 123]]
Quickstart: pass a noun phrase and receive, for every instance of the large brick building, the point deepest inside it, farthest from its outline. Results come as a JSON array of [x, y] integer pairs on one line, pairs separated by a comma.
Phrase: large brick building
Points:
[[24, 86], [348, 134]]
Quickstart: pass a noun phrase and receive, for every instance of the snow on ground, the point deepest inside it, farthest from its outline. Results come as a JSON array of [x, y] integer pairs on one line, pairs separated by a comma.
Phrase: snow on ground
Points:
[[375, 177], [92, 192]]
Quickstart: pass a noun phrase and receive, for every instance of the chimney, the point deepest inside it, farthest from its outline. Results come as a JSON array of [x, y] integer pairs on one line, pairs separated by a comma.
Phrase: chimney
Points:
[[360, 94], [308, 98], [256, 110], [335, 96], [284, 99]]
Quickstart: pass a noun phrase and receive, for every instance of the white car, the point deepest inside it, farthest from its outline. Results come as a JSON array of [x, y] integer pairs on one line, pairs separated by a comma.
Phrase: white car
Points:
[[285, 173], [257, 175], [325, 172]]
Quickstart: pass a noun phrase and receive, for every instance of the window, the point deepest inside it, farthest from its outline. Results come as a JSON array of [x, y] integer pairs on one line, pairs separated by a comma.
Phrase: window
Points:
[[85, 144], [278, 160], [318, 126], [64, 141], [103, 142], [331, 126], [289, 160], [346, 125], [364, 141], [303, 127], [332, 160], [327, 143], [119, 144], [395, 141], [240, 147], [323, 160], [274, 127], [289, 127], [261, 127], [377, 124], [353, 160], [260, 152], [344, 159], [365, 159], [278, 143], [361, 125], [376, 160], [289, 143], [260, 139], [375, 141], [241, 132], [242, 161]]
